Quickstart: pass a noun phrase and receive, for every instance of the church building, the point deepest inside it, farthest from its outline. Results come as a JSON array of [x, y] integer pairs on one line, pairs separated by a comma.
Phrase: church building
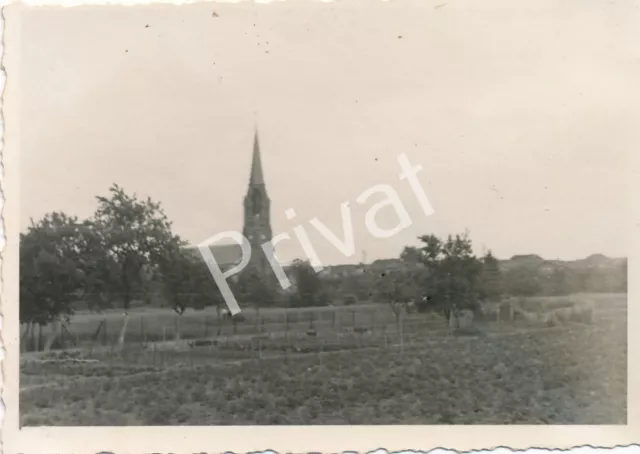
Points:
[[257, 225]]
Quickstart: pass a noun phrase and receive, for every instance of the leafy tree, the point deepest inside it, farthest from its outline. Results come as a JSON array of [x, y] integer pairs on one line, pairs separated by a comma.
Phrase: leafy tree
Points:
[[132, 234], [309, 286], [492, 286], [252, 289], [100, 269], [559, 283], [187, 281], [451, 272], [395, 288], [412, 255], [50, 268], [523, 281], [356, 283]]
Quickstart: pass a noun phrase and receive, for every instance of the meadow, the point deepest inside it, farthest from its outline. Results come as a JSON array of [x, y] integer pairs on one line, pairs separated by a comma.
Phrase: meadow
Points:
[[360, 367]]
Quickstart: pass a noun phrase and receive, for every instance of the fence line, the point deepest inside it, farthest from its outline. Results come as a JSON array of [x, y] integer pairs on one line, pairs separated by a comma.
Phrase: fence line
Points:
[[154, 329]]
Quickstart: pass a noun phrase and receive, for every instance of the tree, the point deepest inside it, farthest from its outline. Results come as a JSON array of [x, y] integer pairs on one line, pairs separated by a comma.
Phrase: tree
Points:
[[523, 281], [187, 281], [133, 234], [252, 289], [491, 278], [308, 285], [50, 270], [411, 255], [395, 288], [558, 282], [356, 283], [451, 272]]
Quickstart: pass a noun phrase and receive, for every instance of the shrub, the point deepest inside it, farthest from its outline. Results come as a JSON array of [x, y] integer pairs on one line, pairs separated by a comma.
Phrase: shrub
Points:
[[350, 300], [239, 318]]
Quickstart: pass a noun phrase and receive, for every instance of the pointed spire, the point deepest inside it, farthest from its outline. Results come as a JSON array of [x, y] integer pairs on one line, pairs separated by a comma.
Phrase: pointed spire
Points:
[[256, 166]]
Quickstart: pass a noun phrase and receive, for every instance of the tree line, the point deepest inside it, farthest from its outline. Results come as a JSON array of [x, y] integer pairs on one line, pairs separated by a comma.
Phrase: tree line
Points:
[[126, 252]]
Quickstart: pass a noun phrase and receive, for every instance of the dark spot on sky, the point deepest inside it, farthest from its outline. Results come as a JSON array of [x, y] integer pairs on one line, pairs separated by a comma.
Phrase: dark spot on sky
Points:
[[126, 50], [399, 36], [146, 26], [214, 14]]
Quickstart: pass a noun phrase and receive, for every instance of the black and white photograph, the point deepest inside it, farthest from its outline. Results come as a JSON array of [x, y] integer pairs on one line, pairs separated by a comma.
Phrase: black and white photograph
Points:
[[320, 214]]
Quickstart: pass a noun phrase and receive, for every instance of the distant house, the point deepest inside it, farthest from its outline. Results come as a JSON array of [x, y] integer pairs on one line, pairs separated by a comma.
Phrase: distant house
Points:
[[340, 271]]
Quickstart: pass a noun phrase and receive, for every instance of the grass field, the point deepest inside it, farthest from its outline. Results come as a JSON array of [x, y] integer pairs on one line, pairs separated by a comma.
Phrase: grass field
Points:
[[271, 372]]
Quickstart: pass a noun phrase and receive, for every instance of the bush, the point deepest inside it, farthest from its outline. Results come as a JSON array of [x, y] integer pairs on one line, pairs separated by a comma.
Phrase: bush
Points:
[[239, 318], [350, 300]]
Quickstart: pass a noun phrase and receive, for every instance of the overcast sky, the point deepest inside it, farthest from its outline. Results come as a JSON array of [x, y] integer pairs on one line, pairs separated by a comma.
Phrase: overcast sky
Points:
[[521, 117]]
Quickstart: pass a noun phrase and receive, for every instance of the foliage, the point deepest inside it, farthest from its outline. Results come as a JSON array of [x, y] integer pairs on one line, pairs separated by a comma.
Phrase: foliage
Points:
[[108, 257], [309, 288], [187, 280], [50, 268], [251, 289], [491, 287], [396, 286], [523, 281], [134, 234], [451, 273], [350, 299]]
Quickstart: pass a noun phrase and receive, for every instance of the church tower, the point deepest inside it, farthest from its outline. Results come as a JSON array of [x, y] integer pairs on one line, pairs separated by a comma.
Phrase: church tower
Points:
[[257, 219]]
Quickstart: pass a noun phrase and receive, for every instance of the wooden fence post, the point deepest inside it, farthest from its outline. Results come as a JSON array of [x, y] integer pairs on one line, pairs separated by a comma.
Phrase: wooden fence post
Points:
[[177, 328], [401, 337], [257, 319], [22, 337], [40, 337]]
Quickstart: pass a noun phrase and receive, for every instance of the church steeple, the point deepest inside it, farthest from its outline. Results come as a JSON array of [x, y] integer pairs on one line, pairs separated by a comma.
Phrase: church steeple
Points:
[[256, 177], [257, 219]]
